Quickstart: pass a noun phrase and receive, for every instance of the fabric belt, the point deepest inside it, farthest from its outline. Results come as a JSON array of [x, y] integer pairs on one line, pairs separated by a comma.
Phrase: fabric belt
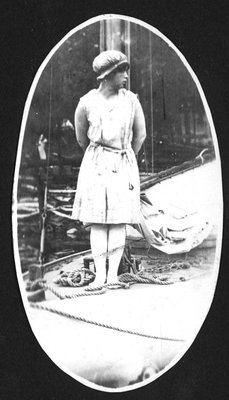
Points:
[[125, 153]]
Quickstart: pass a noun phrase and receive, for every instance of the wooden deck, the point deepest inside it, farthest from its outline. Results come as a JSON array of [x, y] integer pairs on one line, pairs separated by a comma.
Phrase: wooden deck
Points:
[[90, 342], [107, 358]]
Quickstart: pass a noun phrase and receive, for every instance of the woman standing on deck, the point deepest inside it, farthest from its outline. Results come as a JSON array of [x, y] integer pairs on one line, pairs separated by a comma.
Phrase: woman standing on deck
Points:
[[110, 128]]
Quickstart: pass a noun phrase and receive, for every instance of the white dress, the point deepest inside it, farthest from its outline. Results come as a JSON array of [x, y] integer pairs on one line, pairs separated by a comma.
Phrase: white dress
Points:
[[108, 187]]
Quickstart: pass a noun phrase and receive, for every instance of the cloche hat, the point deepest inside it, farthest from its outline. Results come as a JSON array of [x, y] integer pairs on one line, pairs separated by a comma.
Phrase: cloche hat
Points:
[[108, 61]]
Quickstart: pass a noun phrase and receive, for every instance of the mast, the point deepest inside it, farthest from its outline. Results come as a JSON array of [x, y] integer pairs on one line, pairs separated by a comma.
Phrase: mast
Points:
[[36, 271], [127, 49], [44, 211], [151, 98]]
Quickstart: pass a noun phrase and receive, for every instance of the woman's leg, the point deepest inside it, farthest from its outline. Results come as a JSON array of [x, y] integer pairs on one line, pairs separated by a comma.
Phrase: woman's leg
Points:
[[116, 244], [99, 233]]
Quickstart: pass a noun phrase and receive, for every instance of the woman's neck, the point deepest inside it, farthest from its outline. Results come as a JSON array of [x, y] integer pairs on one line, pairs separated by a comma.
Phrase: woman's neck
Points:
[[107, 90]]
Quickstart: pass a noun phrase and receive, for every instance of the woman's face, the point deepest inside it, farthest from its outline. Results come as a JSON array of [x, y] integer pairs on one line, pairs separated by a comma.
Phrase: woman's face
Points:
[[118, 78]]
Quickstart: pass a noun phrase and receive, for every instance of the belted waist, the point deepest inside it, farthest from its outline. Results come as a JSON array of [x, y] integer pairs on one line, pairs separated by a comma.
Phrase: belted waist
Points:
[[125, 154], [111, 149]]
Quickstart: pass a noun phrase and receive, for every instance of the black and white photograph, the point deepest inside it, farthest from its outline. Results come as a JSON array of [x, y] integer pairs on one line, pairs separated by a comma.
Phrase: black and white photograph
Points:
[[117, 205], [117, 212]]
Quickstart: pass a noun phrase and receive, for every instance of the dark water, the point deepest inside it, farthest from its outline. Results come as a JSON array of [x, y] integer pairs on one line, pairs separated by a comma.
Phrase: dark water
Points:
[[60, 244], [63, 236], [56, 245]]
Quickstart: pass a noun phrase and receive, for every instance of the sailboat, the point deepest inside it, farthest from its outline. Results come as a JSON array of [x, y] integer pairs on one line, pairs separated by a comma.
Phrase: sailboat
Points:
[[122, 335], [173, 253]]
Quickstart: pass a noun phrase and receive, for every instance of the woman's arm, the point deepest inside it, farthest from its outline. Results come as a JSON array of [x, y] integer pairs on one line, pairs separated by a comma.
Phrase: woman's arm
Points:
[[139, 128], [81, 126]]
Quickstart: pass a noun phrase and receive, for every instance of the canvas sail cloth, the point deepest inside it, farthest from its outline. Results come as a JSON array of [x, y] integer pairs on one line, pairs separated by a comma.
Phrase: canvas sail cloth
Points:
[[182, 205], [169, 230]]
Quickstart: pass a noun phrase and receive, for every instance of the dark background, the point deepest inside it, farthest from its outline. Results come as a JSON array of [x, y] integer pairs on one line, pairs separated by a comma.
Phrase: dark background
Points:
[[29, 30], [176, 122]]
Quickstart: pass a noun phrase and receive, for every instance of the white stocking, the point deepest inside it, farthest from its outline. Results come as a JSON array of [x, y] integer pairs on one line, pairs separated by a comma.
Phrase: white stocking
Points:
[[99, 251], [116, 244]]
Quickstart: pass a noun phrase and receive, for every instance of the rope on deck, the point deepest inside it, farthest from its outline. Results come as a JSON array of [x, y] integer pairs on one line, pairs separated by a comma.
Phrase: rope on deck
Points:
[[76, 278], [127, 279], [72, 296], [140, 278], [114, 285], [89, 321], [83, 276], [41, 284]]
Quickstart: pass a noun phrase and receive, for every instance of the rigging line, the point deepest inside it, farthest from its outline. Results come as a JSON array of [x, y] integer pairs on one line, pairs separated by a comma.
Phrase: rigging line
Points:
[[144, 149], [162, 81], [44, 210], [49, 123], [101, 324]]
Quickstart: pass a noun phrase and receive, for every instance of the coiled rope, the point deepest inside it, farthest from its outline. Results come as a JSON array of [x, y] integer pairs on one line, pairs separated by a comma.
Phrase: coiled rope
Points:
[[76, 278], [140, 278], [127, 279]]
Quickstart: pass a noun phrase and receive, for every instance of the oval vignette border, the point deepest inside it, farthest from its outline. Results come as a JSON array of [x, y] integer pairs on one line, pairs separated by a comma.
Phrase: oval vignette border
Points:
[[18, 160]]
